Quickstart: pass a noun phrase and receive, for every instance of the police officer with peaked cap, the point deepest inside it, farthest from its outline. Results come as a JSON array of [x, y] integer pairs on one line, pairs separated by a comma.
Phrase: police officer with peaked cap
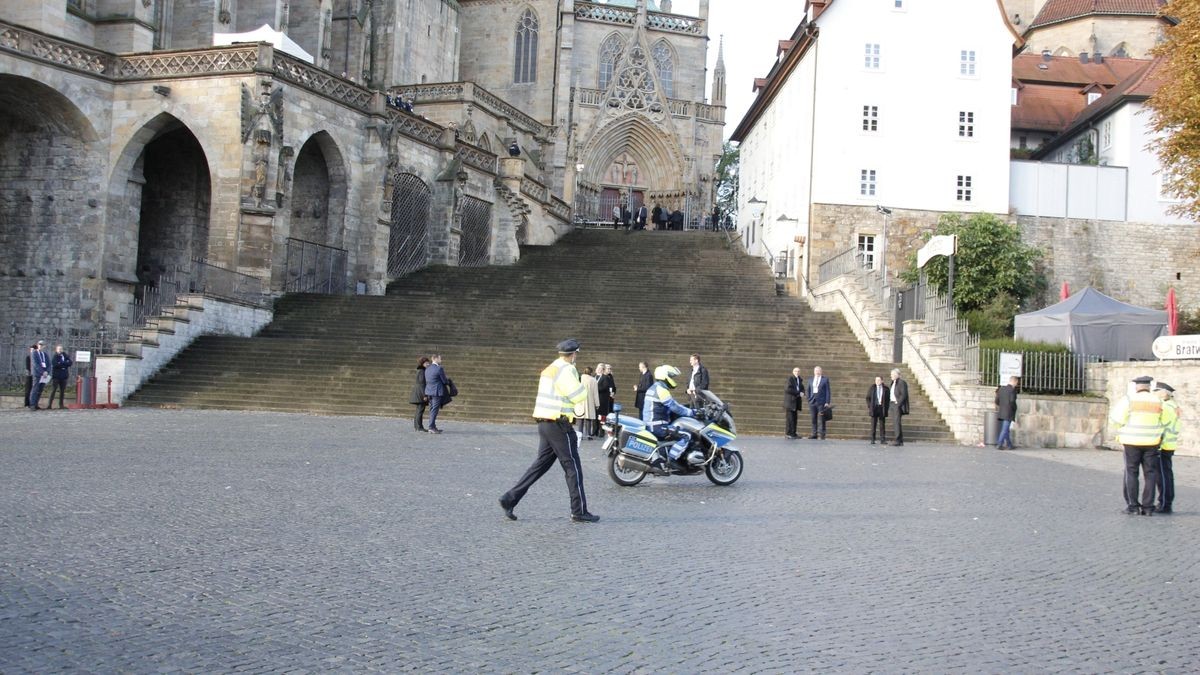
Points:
[[1166, 452], [1141, 419], [559, 390]]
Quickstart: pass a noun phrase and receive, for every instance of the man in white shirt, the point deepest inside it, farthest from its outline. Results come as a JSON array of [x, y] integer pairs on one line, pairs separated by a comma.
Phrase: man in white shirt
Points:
[[878, 400], [898, 407]]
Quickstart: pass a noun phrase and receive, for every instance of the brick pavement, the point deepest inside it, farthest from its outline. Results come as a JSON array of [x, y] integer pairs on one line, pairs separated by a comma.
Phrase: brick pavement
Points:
[[160, 541]]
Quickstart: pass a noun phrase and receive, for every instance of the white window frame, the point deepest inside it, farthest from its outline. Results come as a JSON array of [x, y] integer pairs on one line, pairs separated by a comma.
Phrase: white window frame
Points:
[[866, 246], [1014, 96], [868, 185], [966, 124], [1106, 134], [898, 6], [872, 56], [870, 119], [964, 186], [1092, 96], [966, 63]]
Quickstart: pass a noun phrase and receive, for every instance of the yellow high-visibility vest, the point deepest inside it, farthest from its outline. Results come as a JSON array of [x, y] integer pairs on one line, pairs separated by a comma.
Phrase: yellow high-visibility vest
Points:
[[559, 390], [1141, 419], [1170, 439]]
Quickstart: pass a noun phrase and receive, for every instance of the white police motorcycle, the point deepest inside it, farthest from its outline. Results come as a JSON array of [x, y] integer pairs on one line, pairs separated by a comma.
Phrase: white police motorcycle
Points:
[[634, 452]]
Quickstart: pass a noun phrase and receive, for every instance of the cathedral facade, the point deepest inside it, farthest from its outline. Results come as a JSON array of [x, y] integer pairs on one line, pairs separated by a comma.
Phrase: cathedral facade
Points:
[[352, 142]]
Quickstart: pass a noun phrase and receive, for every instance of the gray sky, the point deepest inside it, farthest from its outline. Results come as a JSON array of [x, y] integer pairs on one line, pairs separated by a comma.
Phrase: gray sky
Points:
[[752, 30]]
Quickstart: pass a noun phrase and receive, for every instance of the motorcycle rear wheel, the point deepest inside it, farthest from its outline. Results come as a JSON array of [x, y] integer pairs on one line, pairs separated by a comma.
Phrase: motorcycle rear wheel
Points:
[[623, 477], [725, 471]]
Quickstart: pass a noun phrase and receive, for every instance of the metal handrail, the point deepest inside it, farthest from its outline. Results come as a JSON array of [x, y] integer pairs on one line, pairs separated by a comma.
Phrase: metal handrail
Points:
[[930, 369]]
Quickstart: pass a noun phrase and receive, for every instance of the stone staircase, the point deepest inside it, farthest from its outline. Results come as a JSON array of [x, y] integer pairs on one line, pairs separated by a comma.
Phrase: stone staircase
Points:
[[654, 296]]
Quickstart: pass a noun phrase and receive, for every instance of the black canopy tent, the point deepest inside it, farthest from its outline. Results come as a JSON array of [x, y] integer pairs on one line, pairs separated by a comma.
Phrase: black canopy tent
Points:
[[1090, 322]]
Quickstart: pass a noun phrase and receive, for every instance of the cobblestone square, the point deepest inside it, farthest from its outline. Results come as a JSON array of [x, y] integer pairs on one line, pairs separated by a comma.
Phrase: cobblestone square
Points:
[[160, 541]]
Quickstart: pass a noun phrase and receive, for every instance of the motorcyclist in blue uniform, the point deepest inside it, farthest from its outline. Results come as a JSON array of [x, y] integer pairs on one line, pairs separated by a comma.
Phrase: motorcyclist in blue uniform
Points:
[[660, 409]]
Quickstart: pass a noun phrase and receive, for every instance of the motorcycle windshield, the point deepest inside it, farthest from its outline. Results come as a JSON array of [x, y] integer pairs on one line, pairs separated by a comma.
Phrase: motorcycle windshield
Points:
[[709, 397]]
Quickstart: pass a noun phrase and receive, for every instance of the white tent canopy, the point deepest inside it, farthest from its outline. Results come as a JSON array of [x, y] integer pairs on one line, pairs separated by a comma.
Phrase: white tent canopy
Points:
[[264, 34], [1090, 322]]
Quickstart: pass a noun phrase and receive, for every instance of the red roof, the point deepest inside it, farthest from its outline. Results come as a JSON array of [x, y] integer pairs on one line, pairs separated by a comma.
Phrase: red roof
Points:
[[1056, 11], [1053, 91], [1067, 70]]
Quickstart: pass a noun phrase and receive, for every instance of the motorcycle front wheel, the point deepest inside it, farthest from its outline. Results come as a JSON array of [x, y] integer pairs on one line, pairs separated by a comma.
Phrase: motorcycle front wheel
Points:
[[725, 470], [623, 477]]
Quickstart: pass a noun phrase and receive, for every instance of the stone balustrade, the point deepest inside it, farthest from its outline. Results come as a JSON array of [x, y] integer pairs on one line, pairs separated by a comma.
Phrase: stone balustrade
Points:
[[469, 92], [680, 108], [625, 16]]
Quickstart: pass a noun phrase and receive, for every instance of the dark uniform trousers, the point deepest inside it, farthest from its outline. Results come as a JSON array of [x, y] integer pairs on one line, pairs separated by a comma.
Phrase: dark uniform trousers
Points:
[[818, 421], [1144, 457], [879, 422], [789, 421], [1166, 483], [558, 441]]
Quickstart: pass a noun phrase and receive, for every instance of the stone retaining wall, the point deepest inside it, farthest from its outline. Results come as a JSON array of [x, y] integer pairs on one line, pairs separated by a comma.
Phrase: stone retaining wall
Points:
[[1184, 376]]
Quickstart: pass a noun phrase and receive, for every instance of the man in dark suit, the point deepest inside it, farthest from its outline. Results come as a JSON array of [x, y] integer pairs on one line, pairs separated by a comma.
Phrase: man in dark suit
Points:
[[39, 363], [820, 399], [793, 402], [899, 406], [878, 400], [642, 387], [642, 214], [699, 379], [436, 384]]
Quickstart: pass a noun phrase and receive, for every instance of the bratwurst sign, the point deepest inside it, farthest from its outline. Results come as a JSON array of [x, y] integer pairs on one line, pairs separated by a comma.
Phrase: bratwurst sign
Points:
[[1177, 347]]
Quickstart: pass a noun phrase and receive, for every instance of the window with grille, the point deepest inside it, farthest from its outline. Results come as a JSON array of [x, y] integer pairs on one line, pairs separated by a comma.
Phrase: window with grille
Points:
[[964, 188], [870, 121], [525, 66], [866, 183], [665, 65], [408, 239], [610, 51], [871, 56], [966, 64], [966, 124], [866, 246]]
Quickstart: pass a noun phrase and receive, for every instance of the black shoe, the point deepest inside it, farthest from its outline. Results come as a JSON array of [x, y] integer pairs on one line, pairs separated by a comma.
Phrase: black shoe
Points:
[[420, 429], [822, 438], [873, 443], [1147, 512], [791, 437], [508, 510], [434, 430], [585, 517], [1132, 510], [1164, 509], [898, 444], [812, 438]]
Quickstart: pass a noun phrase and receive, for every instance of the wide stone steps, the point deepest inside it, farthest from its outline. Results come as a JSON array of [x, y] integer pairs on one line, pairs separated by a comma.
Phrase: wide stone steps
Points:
[[496, 327]]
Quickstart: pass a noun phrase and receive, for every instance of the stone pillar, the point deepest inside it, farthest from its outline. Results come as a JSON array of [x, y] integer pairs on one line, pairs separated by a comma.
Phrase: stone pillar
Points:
[[126, 27], [47, 17], [512, 171]]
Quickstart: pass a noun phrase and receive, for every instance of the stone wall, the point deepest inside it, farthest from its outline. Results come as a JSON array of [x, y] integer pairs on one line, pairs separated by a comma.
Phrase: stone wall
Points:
[[1138, 34], [1184, 376], [193, 24], [1059, 421], [868, 318], [835, 228], [193, 317], [1133, 262]]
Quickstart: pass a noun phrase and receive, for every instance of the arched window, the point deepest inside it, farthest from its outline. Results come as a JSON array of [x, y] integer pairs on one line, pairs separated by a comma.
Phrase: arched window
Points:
[[665, 65], [525, 62], [610, 51]]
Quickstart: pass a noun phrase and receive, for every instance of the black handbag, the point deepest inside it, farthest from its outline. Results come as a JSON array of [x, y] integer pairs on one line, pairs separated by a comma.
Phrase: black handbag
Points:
[[451, 390], [827, 413]]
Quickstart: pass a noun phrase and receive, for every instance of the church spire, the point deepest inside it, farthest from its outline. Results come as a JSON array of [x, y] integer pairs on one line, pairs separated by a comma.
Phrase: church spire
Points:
[[718, 85]]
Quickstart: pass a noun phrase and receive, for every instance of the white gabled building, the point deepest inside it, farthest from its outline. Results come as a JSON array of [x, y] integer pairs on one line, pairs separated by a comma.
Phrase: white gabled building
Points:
[[904, 104]]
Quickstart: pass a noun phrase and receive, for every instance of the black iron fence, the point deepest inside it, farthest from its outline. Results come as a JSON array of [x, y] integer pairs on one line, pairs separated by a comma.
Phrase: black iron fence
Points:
[[1044, 372], [15, 348], [314, 268]]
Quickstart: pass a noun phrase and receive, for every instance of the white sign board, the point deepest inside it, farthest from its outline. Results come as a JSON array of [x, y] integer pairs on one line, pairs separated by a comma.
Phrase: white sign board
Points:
[[1177, 347], [83, 357], [1010, 366], [943, 244]]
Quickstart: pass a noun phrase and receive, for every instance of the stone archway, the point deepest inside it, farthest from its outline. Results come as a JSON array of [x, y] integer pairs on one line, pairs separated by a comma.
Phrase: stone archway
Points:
[[318, 204], [50, 184], [174, 210], [631, 141]]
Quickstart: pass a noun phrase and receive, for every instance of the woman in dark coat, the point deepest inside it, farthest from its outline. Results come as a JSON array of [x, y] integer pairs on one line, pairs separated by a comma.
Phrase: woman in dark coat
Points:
[[418, 397], [608, 390]]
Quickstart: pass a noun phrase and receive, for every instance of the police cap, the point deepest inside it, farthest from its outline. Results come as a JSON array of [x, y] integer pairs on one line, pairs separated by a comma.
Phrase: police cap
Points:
[[1144, 379], [568, 346], [1165, 387]]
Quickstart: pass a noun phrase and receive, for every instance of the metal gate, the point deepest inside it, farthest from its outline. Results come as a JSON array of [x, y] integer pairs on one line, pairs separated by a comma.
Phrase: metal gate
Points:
[[475, 246], [314, 268], [408, 243]]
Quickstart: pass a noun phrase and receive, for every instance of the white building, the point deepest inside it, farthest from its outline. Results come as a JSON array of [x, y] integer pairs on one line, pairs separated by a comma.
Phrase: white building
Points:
[[1115, 131], [903, 104]]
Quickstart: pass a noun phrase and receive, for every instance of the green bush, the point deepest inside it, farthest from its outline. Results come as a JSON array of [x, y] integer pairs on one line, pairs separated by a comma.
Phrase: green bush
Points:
[[1189, 322], [1014, 345], [995, 319]]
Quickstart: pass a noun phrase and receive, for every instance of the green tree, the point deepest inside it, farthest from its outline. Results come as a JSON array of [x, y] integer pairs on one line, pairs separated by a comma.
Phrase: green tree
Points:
[[1176, 107], [994, 271], [727, 180]]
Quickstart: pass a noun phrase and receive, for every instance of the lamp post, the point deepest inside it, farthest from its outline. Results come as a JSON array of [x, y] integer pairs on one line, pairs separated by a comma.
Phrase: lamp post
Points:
[[885, 212], [757, 206]]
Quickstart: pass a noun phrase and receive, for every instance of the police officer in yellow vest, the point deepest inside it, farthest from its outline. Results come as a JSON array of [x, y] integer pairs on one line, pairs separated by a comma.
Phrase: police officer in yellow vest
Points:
[[1166, 453], [559, 391], [1141, 419]]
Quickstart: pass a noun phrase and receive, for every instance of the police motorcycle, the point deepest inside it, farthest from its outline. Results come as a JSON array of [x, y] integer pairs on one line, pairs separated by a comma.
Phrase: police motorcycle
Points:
[[634, 451]]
